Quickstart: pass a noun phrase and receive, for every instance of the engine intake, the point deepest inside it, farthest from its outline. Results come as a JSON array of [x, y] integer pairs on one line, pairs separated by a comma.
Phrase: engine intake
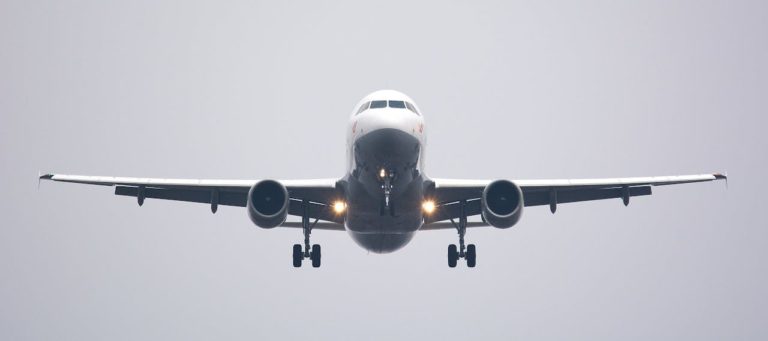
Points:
[[502, 204], [268, 202]]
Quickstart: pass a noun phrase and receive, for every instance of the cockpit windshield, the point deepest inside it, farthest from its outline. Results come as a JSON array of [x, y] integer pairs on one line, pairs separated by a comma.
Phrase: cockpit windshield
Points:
[[363, 107], [378, 104], [411, 108], [384, 104]]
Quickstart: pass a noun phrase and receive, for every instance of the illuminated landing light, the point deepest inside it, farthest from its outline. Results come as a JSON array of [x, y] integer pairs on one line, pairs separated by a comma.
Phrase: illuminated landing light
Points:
[[339, 207], [383, 173], [428, 206]]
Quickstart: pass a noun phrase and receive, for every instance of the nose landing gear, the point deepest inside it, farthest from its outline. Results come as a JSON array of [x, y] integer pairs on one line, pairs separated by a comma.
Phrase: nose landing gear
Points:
[[470, 251], [386, 178], [313, 253]]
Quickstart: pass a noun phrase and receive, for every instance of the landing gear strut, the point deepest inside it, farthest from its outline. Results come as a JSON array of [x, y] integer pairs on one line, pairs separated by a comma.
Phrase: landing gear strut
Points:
[[470, 251], [314, 252]]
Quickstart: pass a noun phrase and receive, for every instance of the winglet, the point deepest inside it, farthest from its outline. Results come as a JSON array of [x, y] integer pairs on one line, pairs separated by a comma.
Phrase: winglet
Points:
[[719, 176], [41, 176]]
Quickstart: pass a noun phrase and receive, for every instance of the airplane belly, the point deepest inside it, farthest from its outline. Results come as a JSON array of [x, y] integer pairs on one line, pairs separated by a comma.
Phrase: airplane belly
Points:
[[381, 242], [377, 222]]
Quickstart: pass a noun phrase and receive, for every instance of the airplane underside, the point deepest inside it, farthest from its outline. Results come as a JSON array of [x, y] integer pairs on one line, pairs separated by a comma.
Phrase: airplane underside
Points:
[[384, 191]]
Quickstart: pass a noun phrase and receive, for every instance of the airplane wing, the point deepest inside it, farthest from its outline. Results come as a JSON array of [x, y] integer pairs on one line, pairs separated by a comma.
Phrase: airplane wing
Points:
[[319, 192], [448, 193]]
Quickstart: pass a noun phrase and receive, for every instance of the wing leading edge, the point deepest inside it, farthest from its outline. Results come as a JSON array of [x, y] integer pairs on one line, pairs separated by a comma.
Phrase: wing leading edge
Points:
[[449, 192], [319, 192]]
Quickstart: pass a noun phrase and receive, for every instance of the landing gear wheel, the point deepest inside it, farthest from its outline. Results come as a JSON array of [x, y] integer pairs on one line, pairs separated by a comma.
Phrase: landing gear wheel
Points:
[[315, 256], [471, 255], [453, 255], [299, 252], [469, 252], [298, 255]]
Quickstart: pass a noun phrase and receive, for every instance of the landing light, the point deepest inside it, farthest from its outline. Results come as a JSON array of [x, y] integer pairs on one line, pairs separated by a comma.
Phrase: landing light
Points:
[[383, 173], [339, 206], [428, 206]]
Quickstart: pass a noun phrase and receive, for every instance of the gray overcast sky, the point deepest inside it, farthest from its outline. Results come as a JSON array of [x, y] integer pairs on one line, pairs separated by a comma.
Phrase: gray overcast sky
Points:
[[247, 89]]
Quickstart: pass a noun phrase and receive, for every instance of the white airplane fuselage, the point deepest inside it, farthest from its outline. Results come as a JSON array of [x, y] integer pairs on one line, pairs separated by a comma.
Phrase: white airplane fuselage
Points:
[[385, 172]]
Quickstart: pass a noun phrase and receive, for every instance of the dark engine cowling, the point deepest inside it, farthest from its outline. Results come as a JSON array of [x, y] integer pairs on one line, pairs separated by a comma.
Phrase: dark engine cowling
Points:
[[502, 204], [268, 204]]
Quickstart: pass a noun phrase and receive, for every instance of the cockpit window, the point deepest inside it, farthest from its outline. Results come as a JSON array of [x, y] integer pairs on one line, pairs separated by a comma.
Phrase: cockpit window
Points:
[[411, 107], [362, 108], [378, 104], [384, 104]]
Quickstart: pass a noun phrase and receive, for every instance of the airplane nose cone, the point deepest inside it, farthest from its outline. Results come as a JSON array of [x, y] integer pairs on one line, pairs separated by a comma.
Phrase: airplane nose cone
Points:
[[387, 118], [388, 145]]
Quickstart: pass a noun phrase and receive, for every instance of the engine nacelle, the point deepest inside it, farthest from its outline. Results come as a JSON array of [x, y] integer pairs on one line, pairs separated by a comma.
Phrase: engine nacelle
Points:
[[502, 204], [268, 202]]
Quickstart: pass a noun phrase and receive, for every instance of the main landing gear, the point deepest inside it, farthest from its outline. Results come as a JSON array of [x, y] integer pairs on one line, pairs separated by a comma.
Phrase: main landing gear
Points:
[[298, 253], [470, 251]]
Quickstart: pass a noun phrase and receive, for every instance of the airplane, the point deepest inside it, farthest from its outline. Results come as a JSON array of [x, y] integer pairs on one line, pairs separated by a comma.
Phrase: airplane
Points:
[[385, 197]]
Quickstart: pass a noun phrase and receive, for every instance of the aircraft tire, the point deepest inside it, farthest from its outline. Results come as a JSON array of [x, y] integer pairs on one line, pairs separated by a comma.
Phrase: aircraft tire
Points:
[[471, 255], [297, 255], [453, 255], [316, 253]]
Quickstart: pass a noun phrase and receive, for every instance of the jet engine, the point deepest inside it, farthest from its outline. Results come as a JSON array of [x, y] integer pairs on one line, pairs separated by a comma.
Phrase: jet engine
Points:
[[268, 204], [502, 204]]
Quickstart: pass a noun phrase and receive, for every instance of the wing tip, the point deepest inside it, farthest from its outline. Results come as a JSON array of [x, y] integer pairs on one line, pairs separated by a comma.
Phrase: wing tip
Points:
[[720, 176], [41, 177]]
